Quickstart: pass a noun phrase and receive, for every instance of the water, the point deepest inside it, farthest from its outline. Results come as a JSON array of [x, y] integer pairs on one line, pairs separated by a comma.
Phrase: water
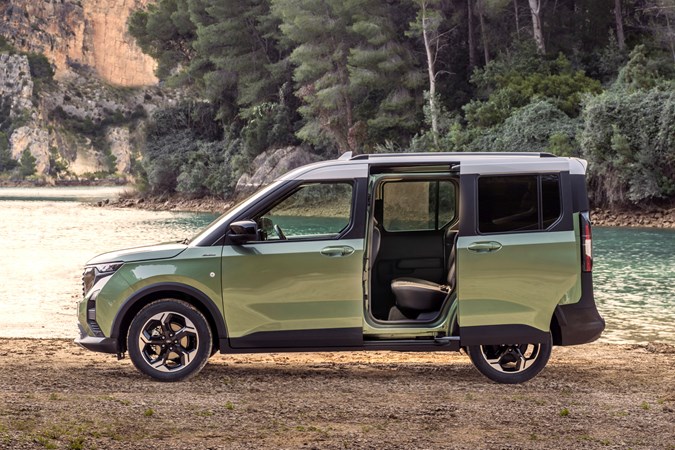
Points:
[[634, 277], [48, 234]]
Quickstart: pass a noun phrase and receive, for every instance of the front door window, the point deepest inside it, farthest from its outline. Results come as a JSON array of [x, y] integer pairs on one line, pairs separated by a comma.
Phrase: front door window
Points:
[[313, 211]]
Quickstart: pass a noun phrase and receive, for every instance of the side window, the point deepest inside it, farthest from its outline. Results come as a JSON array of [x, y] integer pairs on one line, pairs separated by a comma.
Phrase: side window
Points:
[[517, 203], [318, 210], [550, 199], [418, 205]]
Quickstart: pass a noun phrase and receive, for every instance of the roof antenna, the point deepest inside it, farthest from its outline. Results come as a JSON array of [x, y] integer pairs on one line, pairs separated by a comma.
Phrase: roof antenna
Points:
[[345, 156]]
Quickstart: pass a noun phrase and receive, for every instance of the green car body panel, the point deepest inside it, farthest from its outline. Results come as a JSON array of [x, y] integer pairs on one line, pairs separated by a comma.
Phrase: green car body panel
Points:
[[521, 283], [285, 286], [332, 291]]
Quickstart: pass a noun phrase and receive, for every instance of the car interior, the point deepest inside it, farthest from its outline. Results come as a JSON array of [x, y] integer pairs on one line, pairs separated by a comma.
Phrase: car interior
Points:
[[412, 248]]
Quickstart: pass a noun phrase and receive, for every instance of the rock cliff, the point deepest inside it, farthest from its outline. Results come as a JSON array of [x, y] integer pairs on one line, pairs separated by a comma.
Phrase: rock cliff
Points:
[[73, 33], [84, 120]]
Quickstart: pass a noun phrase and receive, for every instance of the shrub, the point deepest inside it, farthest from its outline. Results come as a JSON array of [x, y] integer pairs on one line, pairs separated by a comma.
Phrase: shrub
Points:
[[511, 82], [629, 140], [27, 164]]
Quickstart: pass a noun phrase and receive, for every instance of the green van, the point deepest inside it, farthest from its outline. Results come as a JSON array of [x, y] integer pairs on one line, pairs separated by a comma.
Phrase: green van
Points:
[[487, 252]]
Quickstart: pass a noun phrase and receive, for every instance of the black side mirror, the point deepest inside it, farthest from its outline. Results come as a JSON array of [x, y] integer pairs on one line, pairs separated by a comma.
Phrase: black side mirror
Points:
[[243, 231]]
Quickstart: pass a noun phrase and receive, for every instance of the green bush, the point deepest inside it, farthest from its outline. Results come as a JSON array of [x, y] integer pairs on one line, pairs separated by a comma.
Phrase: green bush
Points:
[[27, 164], [533, 128], [629, 140], [185, 152], [7, 163], [511, 82]]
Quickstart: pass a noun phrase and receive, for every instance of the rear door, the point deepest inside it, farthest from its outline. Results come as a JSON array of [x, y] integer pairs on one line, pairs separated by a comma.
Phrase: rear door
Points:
[[517, 254]]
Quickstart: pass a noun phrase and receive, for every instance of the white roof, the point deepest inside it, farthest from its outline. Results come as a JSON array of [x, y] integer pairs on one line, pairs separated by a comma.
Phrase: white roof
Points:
[[478, 163]]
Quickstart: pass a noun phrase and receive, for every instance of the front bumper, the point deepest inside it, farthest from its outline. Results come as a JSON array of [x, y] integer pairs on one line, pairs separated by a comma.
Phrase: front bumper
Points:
[[96, 344]]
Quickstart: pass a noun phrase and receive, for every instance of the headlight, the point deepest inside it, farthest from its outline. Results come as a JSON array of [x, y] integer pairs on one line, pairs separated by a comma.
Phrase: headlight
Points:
[[94, 273]]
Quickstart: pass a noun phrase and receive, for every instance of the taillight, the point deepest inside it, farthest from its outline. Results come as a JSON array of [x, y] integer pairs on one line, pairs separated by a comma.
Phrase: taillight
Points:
[[586, 243]]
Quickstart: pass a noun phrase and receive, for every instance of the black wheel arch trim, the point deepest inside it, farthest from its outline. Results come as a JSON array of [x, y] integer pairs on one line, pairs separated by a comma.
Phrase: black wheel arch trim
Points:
[[215, 316]]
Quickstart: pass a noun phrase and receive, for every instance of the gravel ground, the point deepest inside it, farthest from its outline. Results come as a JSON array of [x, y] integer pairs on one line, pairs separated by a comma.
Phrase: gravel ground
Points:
[[56, 395]]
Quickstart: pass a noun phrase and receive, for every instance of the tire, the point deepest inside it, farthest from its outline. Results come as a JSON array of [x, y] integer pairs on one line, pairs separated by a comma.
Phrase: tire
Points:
[[510, 364], [169, 340]]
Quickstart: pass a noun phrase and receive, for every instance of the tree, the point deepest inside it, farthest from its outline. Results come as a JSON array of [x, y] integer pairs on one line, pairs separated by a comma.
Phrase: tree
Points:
[[351, 71], [618, 17], [239, 42], [662, 15], [428, 25], [27, 163], [537, 30], [483, 29], [164, 31]]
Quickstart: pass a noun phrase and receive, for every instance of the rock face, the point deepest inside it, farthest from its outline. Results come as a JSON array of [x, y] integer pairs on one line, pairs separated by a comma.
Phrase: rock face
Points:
[[120, 146], [16, 85], [36, 141], [271, 164], [73, 33]]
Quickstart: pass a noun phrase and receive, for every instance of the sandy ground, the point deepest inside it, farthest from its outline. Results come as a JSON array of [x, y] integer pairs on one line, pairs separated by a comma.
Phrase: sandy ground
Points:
[[56, 395]]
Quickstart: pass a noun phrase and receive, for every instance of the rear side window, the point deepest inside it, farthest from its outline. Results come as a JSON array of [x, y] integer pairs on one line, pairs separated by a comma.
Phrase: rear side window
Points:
[[518, 203], [418, 205]]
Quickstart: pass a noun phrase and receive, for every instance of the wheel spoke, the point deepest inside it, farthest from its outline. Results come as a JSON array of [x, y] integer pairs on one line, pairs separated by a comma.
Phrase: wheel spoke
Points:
[[169, 341], [522, 360], [186, 355], [186, 331], [510, 358]]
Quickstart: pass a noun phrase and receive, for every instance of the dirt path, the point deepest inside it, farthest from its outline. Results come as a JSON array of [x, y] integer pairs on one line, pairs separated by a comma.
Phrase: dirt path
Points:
[[55, 395]]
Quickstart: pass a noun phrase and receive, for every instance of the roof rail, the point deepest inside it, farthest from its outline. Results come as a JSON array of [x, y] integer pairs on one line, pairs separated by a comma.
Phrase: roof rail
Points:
[[389, 155]]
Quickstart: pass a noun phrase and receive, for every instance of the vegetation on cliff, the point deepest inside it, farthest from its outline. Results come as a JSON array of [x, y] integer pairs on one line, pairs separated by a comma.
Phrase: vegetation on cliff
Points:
[[580, 78]]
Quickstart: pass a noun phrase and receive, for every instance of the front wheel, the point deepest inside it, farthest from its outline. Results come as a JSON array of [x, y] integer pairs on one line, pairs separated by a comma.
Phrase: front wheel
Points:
[[169, 340], [510, 364]]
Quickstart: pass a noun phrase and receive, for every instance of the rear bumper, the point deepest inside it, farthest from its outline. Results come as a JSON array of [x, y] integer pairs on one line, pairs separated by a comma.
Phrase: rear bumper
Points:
[[581, 322], [96, 344]]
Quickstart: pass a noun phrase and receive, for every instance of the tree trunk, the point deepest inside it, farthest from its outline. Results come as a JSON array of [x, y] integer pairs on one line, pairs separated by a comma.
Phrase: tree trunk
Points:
[[670, 37], [620, 37], [433, 110], [483, 35], [515, 10], [535, 8], [472, 44]]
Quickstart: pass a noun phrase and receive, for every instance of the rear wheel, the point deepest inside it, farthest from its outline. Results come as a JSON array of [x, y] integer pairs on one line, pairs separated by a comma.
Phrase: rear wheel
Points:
[[510, 364], [169, 340]]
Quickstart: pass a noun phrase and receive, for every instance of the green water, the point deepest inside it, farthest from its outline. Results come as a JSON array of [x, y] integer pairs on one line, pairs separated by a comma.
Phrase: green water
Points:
[[634, 277], [47, 236]]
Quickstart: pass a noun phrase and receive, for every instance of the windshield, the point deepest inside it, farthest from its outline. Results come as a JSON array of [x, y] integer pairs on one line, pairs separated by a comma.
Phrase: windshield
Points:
[[232, 212]]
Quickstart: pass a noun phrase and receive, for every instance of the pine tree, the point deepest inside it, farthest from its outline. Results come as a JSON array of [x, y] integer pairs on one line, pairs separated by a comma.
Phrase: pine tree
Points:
[[353, 74], [238, 47]]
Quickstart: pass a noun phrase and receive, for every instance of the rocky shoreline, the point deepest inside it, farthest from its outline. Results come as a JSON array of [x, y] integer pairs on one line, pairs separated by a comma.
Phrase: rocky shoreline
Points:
[[657, 217], [652, 218]]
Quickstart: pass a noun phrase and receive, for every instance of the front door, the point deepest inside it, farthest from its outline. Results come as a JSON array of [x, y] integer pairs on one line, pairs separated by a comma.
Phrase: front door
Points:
[[517, 256], [300, 284]]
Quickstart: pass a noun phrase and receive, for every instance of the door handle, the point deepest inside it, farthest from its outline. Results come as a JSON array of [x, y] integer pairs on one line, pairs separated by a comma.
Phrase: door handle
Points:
[[337, 251], [484, 247]]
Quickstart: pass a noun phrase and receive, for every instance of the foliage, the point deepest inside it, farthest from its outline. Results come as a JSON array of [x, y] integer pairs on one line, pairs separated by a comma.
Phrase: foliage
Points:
[[165, 32], [537, 127], [185, 152], [6, 47], [510, 83], [351, 75], [27, 164], [629, 139], [7, 163], [40, 70]]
